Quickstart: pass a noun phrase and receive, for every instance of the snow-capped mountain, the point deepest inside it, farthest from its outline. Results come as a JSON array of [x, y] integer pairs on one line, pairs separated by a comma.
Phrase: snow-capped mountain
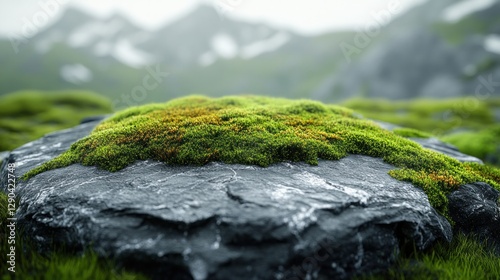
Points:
[[437, 49], [440, 49], [113, 37], [110, 54], [203, 37]]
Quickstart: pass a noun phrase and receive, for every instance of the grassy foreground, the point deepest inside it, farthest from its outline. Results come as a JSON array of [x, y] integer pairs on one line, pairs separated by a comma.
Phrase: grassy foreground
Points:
[[464, 258], [28, 115], [260, 131]]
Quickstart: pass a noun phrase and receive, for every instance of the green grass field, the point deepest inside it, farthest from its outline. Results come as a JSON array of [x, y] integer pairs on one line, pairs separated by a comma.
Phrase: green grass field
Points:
[[464, 258]]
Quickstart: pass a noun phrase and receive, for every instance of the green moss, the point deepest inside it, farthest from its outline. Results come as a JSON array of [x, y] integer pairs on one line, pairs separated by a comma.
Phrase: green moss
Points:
[[411, 133], [28, 115], [261, 131], [465, 258], [443, 118], [483, 144]]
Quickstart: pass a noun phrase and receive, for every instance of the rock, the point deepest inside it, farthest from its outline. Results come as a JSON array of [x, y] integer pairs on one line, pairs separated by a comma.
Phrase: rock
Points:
[[46, 148], [475, 209], [93, 119], [3, 157], [221, 221]]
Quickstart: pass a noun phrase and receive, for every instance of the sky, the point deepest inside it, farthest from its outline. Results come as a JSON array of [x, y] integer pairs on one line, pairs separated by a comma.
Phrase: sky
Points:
[[303, 16]]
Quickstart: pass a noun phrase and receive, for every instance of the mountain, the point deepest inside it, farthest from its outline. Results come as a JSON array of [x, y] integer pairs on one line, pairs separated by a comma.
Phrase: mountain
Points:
[[104, 38], [428, 51], [426, 54], [203, 37], [202, 52]]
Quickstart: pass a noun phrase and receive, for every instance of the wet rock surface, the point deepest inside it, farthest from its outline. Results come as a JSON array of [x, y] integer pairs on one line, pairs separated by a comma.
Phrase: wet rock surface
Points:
[[220, 221], [475, 209]]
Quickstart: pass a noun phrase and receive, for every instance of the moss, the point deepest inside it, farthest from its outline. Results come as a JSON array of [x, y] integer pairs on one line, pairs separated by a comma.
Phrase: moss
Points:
[[483, 144], [410, 132], [465, 258], [261, 131], [28, 115], [467, 123]]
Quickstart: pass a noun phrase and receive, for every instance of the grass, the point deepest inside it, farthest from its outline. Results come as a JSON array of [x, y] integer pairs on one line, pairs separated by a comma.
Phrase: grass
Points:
[[464, 258], [261, 131], [58, 264], [28, 115]]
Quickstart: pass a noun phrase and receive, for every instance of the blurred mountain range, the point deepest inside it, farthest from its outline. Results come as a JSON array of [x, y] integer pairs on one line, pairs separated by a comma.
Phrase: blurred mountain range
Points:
[[438, 49]]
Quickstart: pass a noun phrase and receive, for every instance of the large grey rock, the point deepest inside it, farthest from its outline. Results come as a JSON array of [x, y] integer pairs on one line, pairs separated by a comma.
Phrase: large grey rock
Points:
[[220, 221]]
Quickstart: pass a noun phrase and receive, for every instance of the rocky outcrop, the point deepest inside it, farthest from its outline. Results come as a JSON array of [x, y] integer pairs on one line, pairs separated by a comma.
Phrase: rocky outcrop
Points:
[[221, 221]]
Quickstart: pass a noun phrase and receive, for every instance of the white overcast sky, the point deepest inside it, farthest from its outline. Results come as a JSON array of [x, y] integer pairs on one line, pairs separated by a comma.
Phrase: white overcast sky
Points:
[[304, 16]]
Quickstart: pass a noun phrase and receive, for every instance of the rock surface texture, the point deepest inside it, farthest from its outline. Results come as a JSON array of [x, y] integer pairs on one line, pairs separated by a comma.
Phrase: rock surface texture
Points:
[[475, 209], [220, 221]]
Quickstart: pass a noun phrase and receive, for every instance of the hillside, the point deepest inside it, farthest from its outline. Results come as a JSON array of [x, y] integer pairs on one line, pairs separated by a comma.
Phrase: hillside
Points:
[[449, 58]]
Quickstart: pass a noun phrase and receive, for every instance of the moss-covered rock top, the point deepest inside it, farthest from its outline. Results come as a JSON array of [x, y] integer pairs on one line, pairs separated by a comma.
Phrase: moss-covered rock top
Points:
[[260, 131]]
